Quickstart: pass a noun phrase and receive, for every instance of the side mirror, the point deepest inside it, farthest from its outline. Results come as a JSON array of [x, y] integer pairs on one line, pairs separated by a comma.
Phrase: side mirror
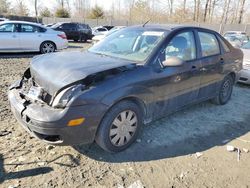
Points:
[[173, 62]]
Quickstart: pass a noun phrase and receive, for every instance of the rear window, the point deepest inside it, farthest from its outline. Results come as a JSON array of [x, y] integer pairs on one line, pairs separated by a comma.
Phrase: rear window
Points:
[[224, 45], [209, 44], [25, 28]]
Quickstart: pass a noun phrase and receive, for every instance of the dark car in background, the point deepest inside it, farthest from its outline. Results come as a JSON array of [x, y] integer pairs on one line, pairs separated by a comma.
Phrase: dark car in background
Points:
[[133, 76], [74, 31]]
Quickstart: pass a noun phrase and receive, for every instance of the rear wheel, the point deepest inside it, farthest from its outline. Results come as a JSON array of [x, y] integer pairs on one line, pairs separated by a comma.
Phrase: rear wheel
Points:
[[225, 92], [83, 38], [120, 127], [47, 47]]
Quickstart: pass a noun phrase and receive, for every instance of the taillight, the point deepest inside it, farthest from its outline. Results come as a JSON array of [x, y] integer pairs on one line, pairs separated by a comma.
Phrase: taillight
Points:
[[63, 36]]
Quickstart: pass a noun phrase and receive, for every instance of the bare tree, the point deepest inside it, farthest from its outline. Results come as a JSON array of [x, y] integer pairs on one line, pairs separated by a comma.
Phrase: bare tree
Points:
[[21, 9], [4, 7]]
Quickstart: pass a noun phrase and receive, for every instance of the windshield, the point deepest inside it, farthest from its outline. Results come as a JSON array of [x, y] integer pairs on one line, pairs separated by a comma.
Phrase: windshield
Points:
[[134, 45], [246, 46]]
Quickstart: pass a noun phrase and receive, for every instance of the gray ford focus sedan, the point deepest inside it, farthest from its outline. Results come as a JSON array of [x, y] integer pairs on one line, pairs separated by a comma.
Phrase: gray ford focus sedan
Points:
[[134, 76]]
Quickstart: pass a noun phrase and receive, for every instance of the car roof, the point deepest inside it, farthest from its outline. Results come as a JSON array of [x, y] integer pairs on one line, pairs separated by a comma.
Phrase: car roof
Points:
[[23, 22], [71, 23], [170, 27]]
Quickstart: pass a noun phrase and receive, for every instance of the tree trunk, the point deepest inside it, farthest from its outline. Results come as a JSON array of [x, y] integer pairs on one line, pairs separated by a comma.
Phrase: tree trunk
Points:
[[194, 15], [226, 16], [206, 10], [184, 6], [170, 4], [36, 12], [212, 11], [198, 10], [241, 11]]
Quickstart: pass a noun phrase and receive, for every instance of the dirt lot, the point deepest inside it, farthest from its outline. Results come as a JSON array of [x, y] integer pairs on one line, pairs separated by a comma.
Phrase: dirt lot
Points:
[[165, 155]]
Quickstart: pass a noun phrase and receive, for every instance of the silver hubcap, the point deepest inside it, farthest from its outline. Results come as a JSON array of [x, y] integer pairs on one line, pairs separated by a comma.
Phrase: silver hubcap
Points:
[[123, 128], [226, 89], [48, 48]]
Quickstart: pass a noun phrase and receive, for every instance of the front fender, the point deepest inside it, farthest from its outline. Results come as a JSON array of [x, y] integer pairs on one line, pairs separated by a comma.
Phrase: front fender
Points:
[[141, 94]]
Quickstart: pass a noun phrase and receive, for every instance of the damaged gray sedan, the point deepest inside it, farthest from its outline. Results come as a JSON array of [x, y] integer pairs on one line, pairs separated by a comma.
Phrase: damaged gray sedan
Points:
[[133, 76]]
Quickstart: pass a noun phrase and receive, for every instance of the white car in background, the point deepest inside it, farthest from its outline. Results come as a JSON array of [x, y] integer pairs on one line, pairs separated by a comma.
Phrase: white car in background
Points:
[[102, 35], [19, 36], [3, 19], [99, 30], [244, 74]]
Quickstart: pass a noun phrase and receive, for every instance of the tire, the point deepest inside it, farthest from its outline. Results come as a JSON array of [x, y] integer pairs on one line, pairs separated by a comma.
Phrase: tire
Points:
[[47, 47], [76, 40], [83, 38], [127, 131], [225, 92]]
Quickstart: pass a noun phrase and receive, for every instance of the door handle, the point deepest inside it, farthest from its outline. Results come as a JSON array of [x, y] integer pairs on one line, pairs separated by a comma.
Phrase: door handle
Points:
[[194, 67], [221, 60], [14, 36]]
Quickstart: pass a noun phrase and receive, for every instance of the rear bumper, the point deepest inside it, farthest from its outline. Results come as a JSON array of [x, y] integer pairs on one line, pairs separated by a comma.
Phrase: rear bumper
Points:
[[244, 76], [50, 125], [62, 44]]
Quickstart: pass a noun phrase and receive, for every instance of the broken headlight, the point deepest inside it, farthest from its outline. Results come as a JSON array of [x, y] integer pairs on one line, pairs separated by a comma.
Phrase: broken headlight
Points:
[[65, 95]]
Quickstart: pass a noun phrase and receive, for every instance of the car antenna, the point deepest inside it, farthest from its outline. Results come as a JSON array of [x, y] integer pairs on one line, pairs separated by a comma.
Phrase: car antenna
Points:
[[145, 23]]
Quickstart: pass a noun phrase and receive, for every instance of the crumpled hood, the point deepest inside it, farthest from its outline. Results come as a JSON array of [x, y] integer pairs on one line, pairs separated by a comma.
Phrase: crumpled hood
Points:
[[57, 70]]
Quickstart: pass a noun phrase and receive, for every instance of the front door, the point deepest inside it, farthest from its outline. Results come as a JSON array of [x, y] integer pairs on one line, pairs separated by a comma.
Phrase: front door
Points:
[[178, 86], [9, 37]]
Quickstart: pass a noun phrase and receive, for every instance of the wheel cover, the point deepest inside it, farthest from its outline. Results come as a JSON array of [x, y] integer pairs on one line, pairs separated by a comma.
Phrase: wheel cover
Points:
[[48, 48], [226, 88], [123, 128]]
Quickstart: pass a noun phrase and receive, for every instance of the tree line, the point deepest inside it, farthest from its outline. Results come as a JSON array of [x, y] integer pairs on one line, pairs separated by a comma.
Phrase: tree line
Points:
[[207, 11]]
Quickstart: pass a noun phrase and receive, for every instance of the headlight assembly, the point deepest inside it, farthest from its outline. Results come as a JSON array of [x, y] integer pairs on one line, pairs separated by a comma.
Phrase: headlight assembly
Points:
[[65, 95]]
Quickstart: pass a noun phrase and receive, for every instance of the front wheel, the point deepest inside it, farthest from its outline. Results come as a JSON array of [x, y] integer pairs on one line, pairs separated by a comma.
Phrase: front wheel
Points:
[[120, 127], [47, 47], [225, 92]]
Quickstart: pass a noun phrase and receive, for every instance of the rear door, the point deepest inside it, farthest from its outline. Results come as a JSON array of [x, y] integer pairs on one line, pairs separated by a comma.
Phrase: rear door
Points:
[[31, 37], [212, 63], [9, 37], [70, 30]]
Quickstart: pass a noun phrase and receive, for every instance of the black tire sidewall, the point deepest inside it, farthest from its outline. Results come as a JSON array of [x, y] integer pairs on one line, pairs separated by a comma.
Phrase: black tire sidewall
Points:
[[102, 137], [223, 100]]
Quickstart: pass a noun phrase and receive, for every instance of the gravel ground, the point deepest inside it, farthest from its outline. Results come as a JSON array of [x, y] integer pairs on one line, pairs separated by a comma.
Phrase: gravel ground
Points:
[[186, 149]]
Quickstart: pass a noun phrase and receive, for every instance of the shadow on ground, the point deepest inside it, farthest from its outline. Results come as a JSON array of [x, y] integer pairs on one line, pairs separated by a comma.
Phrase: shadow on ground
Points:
[[21, 174], [168, 137], [18, 55], [35, 171], [149, 151]]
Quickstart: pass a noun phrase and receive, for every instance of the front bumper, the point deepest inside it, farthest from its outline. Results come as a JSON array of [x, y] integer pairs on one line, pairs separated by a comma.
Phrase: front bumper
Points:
[[50, 125], [244, 76]]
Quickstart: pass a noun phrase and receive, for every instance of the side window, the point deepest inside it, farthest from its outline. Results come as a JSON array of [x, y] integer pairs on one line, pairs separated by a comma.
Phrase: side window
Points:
[[9, 28], [209, 44], [66, 26], [101, 29], [25, 28], [182, 46], [224, 45]]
